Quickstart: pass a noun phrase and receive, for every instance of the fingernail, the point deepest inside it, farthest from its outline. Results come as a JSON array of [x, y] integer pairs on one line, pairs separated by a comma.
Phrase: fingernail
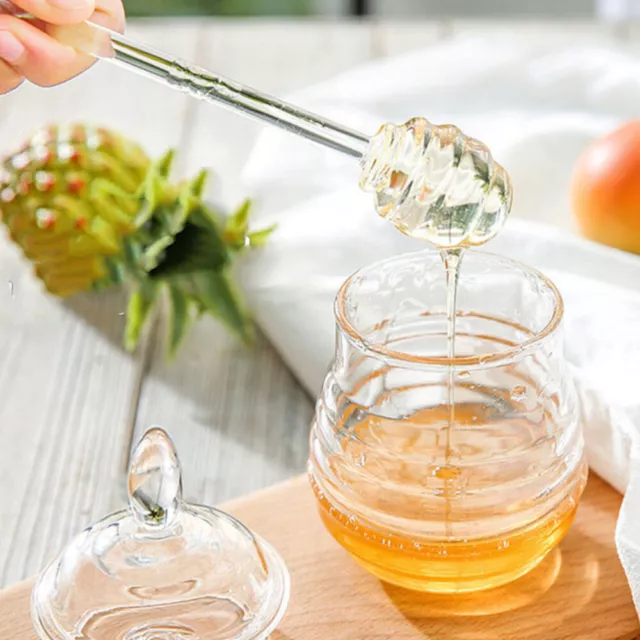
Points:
[[11, 49], [70, 5]]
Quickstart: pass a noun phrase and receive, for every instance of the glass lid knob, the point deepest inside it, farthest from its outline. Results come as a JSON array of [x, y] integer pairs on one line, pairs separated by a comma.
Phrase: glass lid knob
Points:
[[155, 480]]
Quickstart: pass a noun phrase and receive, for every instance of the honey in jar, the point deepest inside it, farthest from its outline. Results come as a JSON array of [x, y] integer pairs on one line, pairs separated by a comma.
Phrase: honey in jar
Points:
[[440, 473]]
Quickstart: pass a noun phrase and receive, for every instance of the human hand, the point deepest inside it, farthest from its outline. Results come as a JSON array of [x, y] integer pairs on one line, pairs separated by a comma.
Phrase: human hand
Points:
[[27, 51]]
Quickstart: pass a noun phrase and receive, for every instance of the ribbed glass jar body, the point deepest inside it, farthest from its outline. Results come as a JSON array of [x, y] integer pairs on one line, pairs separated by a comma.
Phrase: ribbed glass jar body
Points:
[[448, 474]]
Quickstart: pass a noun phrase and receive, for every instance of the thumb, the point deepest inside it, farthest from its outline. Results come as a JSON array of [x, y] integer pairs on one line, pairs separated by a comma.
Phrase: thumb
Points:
[[58, 11]]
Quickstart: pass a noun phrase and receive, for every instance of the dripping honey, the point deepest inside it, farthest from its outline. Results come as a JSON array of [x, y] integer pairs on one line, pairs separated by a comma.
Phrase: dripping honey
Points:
[[470, 493]]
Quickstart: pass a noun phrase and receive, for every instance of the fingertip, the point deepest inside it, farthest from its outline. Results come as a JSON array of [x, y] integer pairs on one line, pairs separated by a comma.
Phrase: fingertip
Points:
[[42, 60], [71, 11], [59, 11], [10, 79], [111, 14], [11, 49]]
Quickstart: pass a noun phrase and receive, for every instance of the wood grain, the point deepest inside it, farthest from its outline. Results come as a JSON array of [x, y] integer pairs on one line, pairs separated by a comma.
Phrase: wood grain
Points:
[[238, 417], [68, 390], [578, 593]]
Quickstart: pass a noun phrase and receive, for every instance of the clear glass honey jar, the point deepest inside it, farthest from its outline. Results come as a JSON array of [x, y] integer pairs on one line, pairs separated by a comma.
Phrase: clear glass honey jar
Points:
[[448, 474]]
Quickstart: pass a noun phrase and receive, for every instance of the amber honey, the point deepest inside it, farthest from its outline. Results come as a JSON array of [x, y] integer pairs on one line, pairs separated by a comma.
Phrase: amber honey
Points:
[[428, 525]]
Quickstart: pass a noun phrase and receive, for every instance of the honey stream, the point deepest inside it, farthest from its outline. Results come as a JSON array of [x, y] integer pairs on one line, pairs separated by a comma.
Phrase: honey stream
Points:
[[452, 259]]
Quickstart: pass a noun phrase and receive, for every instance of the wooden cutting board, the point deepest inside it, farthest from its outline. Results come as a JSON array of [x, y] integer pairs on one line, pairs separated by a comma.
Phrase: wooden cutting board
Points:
[[578, 593]]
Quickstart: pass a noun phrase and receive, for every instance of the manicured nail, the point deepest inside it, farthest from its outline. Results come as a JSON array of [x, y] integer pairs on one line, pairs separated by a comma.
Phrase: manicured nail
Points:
[[70, 5], [11, 49]]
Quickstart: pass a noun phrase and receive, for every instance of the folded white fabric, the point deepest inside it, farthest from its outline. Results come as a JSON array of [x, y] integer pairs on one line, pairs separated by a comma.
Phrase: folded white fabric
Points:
[[535, 108]]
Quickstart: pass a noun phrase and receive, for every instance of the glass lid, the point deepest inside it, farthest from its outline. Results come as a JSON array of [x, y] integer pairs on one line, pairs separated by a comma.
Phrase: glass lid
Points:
[[163, 569]]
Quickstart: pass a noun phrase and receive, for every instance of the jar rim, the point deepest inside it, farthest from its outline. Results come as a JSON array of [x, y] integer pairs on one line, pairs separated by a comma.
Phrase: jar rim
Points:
[[486, 360]]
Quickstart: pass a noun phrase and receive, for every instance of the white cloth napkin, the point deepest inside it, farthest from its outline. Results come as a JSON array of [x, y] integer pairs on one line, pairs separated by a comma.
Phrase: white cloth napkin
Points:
[[535, 108]]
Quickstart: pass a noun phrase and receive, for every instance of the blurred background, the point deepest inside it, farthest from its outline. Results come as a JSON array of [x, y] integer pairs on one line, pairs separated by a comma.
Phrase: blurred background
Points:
[[386, 8]]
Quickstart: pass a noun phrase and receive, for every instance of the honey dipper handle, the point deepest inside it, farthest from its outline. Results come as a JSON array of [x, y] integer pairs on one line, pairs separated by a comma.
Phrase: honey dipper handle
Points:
[[105, 44]]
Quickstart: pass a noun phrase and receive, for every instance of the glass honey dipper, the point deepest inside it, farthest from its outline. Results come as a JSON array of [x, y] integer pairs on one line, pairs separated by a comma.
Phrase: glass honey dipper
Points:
[[432, 182]]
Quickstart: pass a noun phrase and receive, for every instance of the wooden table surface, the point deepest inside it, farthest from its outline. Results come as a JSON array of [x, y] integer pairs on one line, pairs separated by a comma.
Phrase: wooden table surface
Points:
[[73, 401], [579, 592]]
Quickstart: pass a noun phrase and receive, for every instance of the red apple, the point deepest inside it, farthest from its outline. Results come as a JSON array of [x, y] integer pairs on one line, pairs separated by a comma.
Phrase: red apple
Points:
[[605, 189]]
